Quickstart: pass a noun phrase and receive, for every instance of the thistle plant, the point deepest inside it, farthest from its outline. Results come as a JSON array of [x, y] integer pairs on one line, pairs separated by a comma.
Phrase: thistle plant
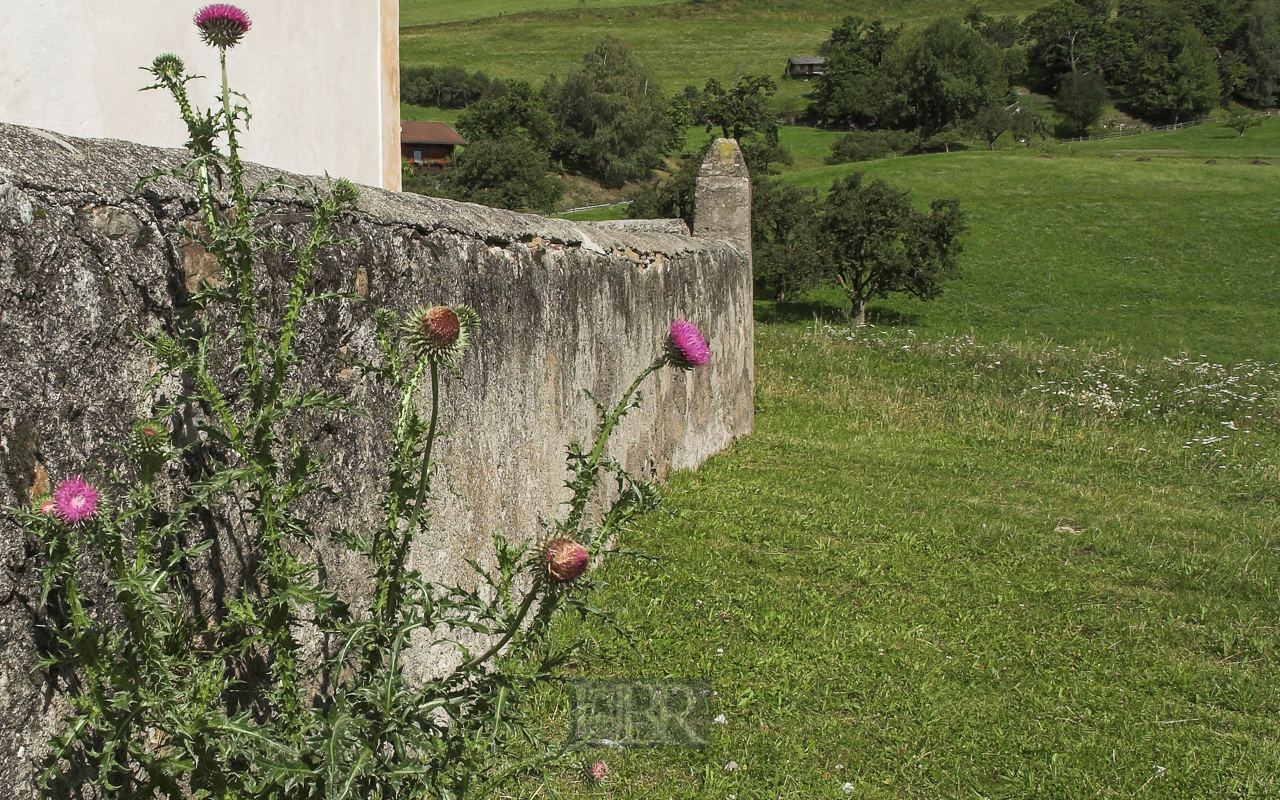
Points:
[[177, 694]]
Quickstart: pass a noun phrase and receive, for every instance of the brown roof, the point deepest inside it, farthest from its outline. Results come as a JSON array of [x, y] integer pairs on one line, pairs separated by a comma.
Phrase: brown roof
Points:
[[429, 133]]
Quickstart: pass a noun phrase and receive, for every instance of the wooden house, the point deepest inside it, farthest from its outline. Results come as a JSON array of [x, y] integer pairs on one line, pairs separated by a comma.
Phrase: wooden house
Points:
[[428, 146], [805, 67]]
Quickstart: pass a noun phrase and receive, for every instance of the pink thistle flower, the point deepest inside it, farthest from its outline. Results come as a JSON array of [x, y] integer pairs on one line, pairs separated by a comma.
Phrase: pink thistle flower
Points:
[[686, 347], [75, 501], [598, 771], [565, 559], [222, 25]]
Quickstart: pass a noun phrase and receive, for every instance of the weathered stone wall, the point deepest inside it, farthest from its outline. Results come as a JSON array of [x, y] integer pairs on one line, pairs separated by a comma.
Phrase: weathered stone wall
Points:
[[86, 263]]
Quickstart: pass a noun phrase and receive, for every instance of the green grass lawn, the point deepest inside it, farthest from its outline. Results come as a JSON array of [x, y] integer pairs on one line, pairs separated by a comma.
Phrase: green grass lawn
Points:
[[683, 43], [409, 112], [947, 570], [1201, 142], [415, 13], [1165, 256]]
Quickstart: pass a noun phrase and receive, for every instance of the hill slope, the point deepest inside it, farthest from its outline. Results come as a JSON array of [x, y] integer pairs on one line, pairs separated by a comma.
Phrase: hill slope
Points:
[[1165, 255]]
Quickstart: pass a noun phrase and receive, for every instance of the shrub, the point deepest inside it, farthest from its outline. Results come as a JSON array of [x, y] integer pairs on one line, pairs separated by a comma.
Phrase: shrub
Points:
[[868, 145]]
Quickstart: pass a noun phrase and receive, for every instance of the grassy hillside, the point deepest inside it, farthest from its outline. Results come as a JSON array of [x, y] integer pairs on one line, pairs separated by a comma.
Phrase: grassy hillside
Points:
[[416, 13], [1165, 255], [683, 43]]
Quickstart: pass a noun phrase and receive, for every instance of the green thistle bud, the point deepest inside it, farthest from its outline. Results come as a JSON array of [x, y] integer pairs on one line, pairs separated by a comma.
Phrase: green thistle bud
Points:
[[149, 436], [168, 66]]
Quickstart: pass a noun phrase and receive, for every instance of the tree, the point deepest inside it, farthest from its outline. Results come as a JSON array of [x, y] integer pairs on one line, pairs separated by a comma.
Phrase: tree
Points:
[[445, 87], [1081, 99], [1260, 48], [504, 173], [613, 121], [1067, 36], [509, 109], [876, 243], [992, 121], [949, 73], [1174, 77], [1242, 120], [783, 237], [857, 86], [741, 108], [1003, 33], [867, 145], [760, 149], [672, 198], [1030, 123]]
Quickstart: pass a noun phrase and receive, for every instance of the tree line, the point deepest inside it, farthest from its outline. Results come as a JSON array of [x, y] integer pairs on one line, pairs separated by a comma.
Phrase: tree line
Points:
[[608, 120], [1168, 60]]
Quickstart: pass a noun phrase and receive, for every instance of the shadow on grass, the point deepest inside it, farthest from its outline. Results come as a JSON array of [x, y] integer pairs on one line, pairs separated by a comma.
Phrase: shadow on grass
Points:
[[891, 318], [777, 312], [780, 312]]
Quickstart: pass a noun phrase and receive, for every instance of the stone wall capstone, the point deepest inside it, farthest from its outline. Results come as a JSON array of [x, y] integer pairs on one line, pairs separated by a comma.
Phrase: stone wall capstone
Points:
[[88, 262]]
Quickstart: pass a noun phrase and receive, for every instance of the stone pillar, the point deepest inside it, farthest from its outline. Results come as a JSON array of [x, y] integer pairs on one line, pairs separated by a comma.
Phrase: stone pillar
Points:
[[722, 199]]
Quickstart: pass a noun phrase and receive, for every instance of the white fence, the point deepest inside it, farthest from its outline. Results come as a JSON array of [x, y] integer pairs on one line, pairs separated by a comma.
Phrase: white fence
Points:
[[1173, 127]]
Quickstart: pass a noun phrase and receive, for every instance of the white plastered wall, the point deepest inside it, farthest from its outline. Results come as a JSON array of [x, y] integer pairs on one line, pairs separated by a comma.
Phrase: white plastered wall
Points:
[[322, 77]]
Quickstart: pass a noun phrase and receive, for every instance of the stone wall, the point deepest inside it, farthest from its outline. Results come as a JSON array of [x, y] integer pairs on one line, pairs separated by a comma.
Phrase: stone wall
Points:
[[87, 263]]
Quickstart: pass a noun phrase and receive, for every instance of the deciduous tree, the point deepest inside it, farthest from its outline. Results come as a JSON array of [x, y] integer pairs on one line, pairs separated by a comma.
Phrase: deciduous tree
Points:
[[513, 109], [1242, 120], [875, 243], [784, 239], [1081, 99], [949, 73], [858, 86], [613, 120], [504, 173]]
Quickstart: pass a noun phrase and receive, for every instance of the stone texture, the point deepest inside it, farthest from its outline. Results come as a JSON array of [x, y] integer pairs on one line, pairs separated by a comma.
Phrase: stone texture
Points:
[[722, 197], [678, 226], [87, 263]]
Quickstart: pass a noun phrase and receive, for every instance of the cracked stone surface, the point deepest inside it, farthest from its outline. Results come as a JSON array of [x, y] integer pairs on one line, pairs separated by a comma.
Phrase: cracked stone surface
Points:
[[88, 261]]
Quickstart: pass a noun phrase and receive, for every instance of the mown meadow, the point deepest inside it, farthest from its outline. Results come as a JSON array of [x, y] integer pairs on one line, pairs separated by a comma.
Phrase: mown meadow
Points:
[[1017, 542]]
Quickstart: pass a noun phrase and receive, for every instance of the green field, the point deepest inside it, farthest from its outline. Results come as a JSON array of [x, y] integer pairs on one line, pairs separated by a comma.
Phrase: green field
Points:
[[943, 569], [1165, 256], [415, 13], [683, 43]]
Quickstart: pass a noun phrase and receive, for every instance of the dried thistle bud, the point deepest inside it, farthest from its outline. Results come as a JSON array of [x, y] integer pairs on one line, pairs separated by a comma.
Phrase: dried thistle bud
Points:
[[441, 333], [565, 559], [440, 325]]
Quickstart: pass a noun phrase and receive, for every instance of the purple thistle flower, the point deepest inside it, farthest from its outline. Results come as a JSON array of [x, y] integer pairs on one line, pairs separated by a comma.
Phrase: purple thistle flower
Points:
[[222, 25], [598, 771], [686, 347], [75, 501]]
